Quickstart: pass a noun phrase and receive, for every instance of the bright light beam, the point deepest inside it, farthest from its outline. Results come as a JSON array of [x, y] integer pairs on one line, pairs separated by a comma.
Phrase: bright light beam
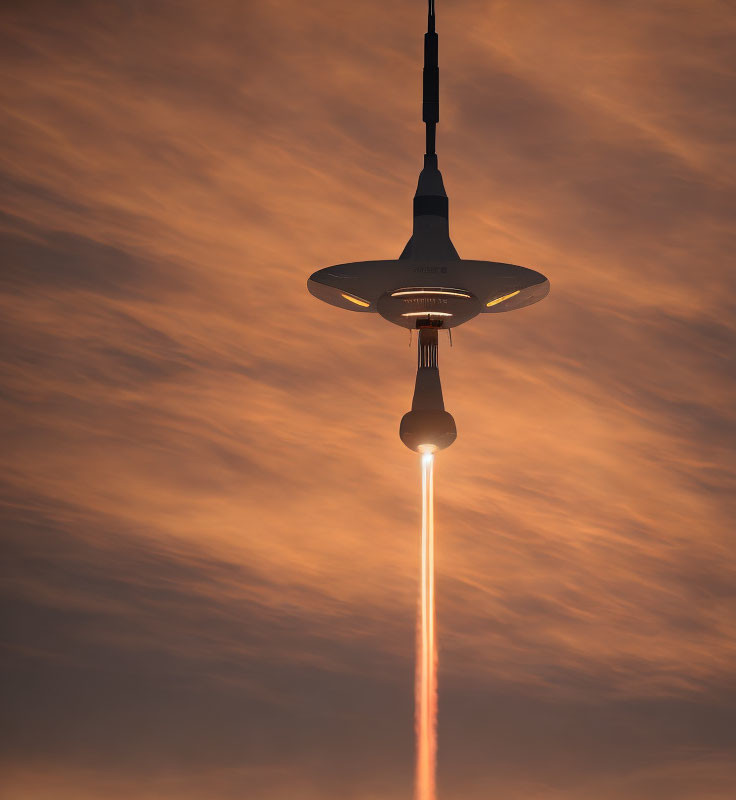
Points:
[[426, 666]]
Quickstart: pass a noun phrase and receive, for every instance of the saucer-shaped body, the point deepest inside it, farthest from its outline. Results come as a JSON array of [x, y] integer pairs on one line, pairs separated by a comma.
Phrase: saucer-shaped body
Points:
[[429, 283], [448, 291]]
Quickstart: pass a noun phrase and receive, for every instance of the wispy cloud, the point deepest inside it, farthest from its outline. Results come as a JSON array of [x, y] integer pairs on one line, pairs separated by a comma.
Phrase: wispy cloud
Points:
[[205, 494]]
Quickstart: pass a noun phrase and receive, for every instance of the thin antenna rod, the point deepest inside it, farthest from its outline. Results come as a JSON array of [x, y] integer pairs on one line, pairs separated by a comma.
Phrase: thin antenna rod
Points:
[[431, 81]]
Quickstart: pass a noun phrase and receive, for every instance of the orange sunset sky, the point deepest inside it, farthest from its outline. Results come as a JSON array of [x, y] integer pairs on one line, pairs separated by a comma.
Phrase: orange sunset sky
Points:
[[210, 526]]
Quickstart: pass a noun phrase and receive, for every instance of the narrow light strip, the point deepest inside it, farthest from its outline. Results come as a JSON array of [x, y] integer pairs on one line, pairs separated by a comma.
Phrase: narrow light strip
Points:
[[356, 300], [427, 314], [501, 299], [429, 291]]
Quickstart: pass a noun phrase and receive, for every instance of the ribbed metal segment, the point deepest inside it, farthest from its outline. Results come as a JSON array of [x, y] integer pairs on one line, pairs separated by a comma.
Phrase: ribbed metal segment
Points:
[[427, 348]]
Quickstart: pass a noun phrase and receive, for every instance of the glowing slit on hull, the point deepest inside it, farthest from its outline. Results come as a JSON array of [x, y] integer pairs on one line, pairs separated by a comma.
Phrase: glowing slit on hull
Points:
[[426, 662], [501, 299], [429, 291], [356, 300], [427, 314]]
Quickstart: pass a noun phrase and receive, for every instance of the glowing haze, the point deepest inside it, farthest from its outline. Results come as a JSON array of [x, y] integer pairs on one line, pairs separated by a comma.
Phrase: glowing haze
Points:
[[210, 531]]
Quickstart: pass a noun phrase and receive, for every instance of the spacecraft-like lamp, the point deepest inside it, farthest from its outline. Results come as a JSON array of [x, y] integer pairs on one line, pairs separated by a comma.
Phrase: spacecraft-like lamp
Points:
[[429, 287]]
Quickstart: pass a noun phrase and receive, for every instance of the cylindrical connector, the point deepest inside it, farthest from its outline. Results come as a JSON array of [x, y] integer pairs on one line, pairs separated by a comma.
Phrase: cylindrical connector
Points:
[[427, 427]]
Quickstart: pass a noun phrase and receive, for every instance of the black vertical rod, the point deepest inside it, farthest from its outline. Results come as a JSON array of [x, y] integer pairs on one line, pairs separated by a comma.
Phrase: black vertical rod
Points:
[[431, 82]]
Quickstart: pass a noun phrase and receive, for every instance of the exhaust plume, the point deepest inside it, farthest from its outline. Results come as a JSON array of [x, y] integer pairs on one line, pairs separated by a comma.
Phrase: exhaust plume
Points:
[[426, 661]]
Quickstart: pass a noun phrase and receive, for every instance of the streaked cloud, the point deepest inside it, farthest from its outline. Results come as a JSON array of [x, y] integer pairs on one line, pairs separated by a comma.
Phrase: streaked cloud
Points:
[[210, 520]]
